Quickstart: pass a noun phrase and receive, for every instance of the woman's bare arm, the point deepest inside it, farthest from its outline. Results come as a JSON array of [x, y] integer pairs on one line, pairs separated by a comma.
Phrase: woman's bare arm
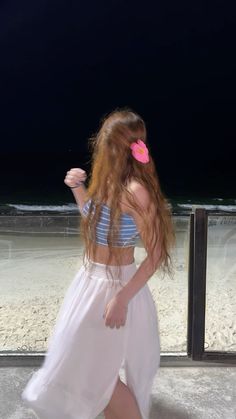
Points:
[[150, 264], [73, 177], [79, 195]]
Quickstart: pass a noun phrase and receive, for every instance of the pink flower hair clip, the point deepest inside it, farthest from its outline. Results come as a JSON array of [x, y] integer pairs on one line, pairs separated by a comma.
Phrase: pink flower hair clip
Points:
[[140, 151]]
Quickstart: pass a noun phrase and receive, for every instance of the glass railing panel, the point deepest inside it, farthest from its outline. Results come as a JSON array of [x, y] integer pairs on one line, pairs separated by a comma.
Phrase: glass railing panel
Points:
[[171, 295], [39, 256], [220, 325]]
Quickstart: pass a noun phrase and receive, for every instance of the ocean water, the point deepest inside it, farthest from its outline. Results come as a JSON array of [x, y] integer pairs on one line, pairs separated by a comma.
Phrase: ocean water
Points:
[[24, 203]]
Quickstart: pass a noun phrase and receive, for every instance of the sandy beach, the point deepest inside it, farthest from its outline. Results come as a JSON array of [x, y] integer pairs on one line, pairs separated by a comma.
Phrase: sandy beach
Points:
[[36, 270]]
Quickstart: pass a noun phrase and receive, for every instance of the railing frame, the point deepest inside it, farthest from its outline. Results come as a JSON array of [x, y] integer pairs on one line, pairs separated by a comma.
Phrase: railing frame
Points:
[[196, 355], [197, 290]]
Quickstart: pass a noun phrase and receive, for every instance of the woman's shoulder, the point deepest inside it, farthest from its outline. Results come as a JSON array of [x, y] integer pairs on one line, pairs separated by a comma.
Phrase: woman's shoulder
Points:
[[139, 193]]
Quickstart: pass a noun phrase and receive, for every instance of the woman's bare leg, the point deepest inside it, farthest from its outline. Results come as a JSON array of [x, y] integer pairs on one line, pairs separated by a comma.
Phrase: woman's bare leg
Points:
[[123, 404], [108, 414]]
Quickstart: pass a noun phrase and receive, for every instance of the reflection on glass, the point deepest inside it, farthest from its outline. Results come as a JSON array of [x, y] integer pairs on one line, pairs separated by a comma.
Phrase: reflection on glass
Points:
[[220, 326], [171, 296], [39, 256]]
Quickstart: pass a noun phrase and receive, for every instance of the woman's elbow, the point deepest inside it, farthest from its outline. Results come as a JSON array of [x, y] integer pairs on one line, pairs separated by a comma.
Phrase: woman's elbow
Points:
[[154, 261]]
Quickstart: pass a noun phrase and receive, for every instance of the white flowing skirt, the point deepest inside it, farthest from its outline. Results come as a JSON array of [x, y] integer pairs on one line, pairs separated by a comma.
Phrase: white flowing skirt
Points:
[[81, 367]]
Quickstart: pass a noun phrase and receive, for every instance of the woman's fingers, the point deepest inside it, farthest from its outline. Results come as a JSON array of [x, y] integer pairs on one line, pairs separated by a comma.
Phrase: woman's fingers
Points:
[[115, 313], [111, 324], [74, 176], [78, 171]]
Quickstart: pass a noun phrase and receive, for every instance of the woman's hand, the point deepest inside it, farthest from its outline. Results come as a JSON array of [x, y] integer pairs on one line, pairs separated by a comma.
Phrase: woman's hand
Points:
[[74, 176], [115, 313]]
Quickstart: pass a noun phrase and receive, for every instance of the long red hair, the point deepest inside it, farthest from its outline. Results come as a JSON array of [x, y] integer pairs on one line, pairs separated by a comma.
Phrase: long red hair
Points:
[[113, 162]]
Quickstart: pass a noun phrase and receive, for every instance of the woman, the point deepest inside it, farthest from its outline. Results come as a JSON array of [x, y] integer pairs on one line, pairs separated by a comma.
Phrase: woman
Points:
[[108, 318]]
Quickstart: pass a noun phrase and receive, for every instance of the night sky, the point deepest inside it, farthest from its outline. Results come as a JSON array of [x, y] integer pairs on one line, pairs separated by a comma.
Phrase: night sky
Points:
[[65, 64]]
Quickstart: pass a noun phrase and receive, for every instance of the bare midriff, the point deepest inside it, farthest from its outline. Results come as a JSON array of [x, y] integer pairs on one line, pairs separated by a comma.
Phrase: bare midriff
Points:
[[102, 252], [126, 253]]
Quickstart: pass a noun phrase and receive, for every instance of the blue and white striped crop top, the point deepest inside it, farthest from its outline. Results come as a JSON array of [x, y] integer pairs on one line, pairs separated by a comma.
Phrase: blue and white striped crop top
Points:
[[128, 233]]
